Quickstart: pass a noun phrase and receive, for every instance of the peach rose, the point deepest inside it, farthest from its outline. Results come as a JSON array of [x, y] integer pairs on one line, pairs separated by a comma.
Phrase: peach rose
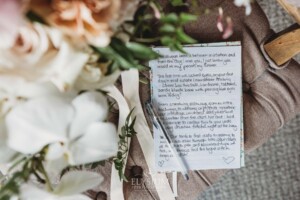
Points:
[[87, 20]]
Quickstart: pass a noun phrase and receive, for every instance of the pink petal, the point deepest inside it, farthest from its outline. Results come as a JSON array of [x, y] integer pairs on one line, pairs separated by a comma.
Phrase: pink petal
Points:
[[220, 25], [229, 29], [10, 20]]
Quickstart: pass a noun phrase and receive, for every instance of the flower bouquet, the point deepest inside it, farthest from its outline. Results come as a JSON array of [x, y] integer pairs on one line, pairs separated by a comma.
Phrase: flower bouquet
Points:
[[59, 61]]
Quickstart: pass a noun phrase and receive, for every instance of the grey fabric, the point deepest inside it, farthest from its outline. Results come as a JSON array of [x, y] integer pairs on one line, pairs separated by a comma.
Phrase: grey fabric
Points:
[[273, 170]]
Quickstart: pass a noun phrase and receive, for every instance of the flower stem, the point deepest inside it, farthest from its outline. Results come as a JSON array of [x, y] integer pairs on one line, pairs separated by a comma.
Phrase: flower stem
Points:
[[43, 171], [147, 40]]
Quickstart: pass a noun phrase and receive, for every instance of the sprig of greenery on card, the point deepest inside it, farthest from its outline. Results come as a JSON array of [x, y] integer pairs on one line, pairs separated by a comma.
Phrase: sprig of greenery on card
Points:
[[172, 33], [127, 131]]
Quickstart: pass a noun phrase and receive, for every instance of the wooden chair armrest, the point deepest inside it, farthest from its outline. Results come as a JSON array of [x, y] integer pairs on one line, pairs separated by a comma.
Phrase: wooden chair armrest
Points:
[[286, 46]]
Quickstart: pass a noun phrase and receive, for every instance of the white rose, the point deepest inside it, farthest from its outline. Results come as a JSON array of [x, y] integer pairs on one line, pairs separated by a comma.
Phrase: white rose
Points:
[[40, 55], [93, 76]]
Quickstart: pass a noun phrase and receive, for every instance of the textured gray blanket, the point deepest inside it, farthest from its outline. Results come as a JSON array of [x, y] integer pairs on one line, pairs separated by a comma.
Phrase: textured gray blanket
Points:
[[272, 171]]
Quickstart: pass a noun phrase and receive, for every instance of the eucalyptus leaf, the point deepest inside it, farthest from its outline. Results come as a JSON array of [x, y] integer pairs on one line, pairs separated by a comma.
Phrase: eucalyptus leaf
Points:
[[111, 54], [185, 18], [141, 51], [167, 40], [122, 50], [167, 28], [170, 18], [184, 38], [179, 47], [177, 3]]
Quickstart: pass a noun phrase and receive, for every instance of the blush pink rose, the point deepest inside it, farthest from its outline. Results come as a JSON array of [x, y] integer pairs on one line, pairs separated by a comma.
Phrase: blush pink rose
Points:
[[10, 20]]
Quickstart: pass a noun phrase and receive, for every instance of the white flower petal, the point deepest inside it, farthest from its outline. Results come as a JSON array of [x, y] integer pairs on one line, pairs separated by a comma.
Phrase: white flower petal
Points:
[[55, 151], [248, 9], [68, 65], [55, 167], [101, 40], [246, 4], [239, 2], [98, 143], [37, 123], [76, 182], [83, 84], [74, 197], [31, 192], [6, 154], [55, 160], [89, 107], [19, 87]]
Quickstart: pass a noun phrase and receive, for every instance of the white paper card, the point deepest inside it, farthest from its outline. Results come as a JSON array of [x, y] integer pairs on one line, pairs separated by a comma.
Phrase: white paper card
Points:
[[199, 98]]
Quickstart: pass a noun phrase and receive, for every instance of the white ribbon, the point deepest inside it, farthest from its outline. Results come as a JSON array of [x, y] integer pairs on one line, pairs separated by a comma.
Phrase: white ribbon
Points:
[[175, 183], [116, 186], [130, 83]]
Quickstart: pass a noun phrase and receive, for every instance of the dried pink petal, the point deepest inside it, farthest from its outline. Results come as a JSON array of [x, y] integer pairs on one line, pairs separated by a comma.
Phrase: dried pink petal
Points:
[[219, 20], [229, 29]]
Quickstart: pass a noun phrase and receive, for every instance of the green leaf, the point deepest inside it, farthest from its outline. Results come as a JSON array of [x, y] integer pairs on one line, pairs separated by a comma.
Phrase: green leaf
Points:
[[185, 18], [126, 132], [112, 67], [177, 3], [167, 40], [132, 123], [124, 177], [119, 155], [179, 47], [170, 18], [141, 51], [129, 115], [122, 50], [184, 38], [167, 28], [111, 54]]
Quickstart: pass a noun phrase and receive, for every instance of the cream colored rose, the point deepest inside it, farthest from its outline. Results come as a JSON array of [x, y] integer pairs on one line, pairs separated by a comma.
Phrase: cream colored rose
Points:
[[93, 75], [40, 55], [91, 21]]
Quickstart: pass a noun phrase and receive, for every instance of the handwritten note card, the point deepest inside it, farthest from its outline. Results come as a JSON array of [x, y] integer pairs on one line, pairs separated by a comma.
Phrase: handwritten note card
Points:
[[199, 99]]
